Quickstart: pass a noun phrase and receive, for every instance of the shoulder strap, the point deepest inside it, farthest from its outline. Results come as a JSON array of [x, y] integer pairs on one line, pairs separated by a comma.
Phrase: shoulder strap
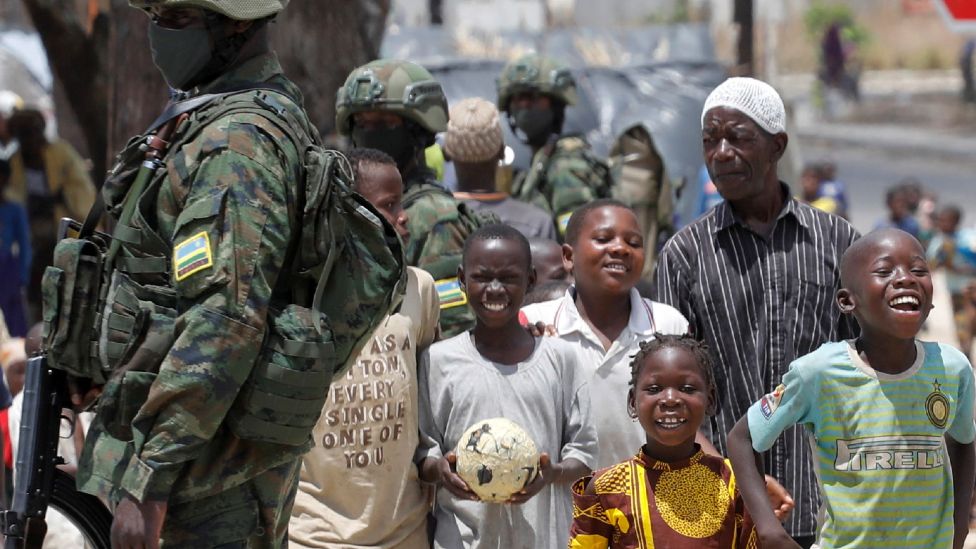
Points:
[[172, 110]]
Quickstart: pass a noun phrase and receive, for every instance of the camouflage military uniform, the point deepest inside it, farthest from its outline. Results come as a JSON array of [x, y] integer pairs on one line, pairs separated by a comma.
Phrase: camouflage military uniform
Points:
[[204, 258], [564, 175], [437, 222], [437, 234]]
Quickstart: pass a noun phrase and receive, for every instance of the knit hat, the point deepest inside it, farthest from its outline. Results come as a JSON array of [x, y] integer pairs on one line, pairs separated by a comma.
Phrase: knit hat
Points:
[[474, 131], [753, 98]]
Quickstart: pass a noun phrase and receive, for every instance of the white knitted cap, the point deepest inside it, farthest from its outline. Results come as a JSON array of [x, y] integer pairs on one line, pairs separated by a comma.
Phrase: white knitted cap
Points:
[[474, 131], [753, 98]]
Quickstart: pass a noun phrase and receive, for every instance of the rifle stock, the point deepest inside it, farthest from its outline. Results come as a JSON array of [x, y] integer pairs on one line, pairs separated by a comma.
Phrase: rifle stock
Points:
[[45, 395]]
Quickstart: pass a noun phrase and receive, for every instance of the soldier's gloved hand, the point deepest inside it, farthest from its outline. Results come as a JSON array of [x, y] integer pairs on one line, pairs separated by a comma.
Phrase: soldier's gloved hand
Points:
[[137, 525], [82, 392]]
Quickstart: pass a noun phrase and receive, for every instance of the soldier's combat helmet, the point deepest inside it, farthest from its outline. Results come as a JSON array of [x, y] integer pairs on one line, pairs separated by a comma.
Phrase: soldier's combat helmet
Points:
[[240, 10], [395, 86], [535, 73]]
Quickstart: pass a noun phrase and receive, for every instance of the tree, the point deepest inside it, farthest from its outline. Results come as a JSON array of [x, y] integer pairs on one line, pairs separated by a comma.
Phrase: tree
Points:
[[115, 91], [76, 49]]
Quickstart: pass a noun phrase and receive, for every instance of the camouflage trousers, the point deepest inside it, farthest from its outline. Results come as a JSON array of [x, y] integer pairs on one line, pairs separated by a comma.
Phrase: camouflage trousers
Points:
[[253, 515]]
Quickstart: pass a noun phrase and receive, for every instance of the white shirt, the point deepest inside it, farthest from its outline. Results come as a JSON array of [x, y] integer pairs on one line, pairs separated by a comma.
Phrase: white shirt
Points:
[[609, 371]]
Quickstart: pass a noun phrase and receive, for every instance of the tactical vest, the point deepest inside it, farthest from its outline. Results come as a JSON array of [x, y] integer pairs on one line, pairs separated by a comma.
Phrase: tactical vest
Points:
[[533, 185], [116, 323]]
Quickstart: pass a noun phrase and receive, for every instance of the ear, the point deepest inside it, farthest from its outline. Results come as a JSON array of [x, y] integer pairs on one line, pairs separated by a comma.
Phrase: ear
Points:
[[631, 404], [712, 406], [779, 143], [460, 277], [845, 300], [568, 258], [533, 278]]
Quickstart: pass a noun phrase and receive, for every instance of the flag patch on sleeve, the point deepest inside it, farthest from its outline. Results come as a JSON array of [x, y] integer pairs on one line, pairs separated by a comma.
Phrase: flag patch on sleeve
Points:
[[769, 403], [449, 292], [192, 256]]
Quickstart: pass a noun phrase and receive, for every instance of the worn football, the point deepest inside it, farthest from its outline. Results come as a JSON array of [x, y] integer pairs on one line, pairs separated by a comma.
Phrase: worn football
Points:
[[496, 458]]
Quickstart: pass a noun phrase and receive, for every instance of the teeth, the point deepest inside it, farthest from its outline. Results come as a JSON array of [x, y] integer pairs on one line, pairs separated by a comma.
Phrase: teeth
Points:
[[616, 267], [494, 306], [903, 300], [671, 421]]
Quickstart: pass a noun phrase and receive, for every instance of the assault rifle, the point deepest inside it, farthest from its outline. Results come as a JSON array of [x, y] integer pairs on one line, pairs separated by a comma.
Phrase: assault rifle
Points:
[[45, 396]]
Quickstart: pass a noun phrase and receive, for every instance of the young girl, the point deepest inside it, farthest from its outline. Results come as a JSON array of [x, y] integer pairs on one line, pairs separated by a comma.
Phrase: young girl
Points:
[[671, 494]]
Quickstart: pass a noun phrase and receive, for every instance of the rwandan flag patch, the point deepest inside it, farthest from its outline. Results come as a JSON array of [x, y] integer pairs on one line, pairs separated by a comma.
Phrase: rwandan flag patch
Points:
[[449, 292], [563, 222], [192, 256]]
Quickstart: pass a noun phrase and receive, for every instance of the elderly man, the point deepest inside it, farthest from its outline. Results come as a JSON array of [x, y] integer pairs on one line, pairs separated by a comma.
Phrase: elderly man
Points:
[[756, 276]]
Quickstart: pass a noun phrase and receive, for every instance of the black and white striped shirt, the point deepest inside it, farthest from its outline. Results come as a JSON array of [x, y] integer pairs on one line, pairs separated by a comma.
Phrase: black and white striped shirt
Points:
[[759, 304]]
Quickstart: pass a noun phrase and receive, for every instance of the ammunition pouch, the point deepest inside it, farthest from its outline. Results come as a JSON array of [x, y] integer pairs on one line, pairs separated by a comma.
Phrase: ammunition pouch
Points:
[[282, 399], [71, 288]]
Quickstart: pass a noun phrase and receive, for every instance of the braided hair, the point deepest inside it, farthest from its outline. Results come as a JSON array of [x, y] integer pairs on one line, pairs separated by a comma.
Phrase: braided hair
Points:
[[698, 349]]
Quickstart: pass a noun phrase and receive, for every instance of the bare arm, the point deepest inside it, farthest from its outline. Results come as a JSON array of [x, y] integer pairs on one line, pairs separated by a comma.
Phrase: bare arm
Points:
[[747, 466], [962, 458]]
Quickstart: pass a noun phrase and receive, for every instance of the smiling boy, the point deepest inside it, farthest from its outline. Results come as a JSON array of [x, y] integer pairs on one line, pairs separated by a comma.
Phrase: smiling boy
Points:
[[891, 417], [603, 316], [498, 370]]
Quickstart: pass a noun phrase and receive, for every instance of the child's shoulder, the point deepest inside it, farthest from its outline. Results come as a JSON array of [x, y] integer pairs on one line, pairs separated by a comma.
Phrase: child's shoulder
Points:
[[452, 348], [951, 357], [667, 319], [828, 354], [544, 311]]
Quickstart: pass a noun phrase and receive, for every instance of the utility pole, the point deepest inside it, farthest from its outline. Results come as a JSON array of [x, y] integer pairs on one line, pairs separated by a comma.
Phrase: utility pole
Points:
[[743, 19]]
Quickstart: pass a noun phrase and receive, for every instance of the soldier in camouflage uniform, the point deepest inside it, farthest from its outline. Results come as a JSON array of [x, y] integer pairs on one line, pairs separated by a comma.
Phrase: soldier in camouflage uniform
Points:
[[203, 258], [534, 91], [397, 107]]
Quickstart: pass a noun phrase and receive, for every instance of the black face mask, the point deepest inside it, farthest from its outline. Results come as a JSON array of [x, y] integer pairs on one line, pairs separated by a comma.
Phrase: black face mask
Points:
[[536, 124], [397, 142], [180, 54]]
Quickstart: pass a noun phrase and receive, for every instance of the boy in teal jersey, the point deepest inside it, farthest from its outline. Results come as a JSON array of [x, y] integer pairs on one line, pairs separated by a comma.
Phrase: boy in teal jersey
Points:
[[890, 417]]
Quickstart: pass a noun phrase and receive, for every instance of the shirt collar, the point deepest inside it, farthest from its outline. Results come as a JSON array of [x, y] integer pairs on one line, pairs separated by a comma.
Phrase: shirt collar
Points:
[[725, 216], [568, 319]]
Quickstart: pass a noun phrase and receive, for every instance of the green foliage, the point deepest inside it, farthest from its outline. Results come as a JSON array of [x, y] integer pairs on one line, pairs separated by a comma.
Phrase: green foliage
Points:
[[821, 15]]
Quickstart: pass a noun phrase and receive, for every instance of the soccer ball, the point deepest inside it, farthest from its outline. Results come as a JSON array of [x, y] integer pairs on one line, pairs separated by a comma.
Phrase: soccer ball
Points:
[[496, 458]]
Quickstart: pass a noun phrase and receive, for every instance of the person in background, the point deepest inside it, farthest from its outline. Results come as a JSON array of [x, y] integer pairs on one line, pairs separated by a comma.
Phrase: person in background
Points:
[[51, 181], [534, 92], [9, 103], [950, 250], [15, 258], [474, 142], [900, 216], [547, 260], [397, 107], [811, 180], [966, 69]]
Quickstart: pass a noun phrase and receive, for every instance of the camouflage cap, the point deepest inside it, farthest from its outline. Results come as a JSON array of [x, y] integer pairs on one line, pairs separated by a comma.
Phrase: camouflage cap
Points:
[[535, 73], [396, 86], [241, 10]]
